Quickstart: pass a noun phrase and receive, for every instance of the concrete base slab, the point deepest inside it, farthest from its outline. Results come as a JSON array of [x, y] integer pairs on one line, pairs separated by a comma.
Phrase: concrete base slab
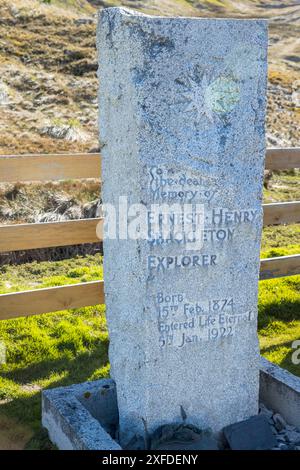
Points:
[[85, 416], [280, 390]]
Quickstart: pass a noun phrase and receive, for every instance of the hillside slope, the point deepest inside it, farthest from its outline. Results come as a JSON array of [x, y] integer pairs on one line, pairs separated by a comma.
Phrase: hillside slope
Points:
[[48, 84]]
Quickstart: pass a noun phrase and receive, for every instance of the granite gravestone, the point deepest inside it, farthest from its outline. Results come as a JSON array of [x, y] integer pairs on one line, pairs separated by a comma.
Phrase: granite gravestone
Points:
[[182, 109]]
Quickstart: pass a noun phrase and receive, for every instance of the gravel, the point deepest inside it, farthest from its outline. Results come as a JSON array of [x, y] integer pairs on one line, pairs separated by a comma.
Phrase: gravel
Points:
[[287, 436]]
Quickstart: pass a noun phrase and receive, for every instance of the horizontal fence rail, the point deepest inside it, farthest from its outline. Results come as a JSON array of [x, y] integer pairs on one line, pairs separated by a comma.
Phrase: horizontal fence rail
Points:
[[51, 299], [76, 232], [281, 266], [281, 213], [50, 234], [22, 168], [54, 299], [18, 168], [282, 159]]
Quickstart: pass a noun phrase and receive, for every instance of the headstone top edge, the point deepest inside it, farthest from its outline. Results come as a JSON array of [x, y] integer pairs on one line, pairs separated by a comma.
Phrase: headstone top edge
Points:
[[128, 12]]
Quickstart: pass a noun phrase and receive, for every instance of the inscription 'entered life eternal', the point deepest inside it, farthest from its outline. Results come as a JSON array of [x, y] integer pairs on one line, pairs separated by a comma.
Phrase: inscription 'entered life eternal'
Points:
[[181, 322]]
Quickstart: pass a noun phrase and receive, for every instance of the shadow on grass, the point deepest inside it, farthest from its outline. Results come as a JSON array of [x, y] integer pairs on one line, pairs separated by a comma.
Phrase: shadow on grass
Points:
[[285, 310], [78, 368], [27, 408]]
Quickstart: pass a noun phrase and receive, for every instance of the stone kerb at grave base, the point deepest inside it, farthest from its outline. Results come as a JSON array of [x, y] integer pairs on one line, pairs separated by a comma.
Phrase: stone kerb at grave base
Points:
[[85, 416]]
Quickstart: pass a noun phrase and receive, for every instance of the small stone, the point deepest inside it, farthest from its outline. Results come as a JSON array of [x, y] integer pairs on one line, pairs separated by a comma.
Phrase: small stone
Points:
[[291, 428], [81, 21], [265, 411], [274, 430], [279, 422], [252, 434], [270, 421], [283, 447], [281, 438]]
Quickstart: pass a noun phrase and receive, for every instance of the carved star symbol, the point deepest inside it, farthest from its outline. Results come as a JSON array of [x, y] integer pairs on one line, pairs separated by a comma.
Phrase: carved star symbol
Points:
[[195, 96]]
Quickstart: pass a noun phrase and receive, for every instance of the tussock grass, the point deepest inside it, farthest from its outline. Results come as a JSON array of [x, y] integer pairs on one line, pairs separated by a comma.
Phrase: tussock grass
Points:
[[32, 202], [284, 186]]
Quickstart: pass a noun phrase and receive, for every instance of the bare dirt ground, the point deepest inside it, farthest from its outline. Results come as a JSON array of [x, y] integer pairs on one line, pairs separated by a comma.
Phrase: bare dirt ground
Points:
[[13, 435]]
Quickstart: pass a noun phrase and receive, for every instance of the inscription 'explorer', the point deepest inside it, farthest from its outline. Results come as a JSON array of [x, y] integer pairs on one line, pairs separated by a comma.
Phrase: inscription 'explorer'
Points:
[[162, 263]]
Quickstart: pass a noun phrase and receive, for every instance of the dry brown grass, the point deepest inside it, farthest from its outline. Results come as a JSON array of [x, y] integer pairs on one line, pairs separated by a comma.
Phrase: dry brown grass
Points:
[[48, 67]]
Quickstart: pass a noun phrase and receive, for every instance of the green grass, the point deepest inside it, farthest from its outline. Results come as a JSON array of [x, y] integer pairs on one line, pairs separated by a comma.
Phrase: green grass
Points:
[[36, 275], [279, 320], [49, 350]]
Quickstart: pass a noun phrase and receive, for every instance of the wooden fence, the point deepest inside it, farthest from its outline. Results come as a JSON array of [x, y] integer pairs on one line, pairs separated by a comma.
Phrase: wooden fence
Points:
[[21, 168]]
